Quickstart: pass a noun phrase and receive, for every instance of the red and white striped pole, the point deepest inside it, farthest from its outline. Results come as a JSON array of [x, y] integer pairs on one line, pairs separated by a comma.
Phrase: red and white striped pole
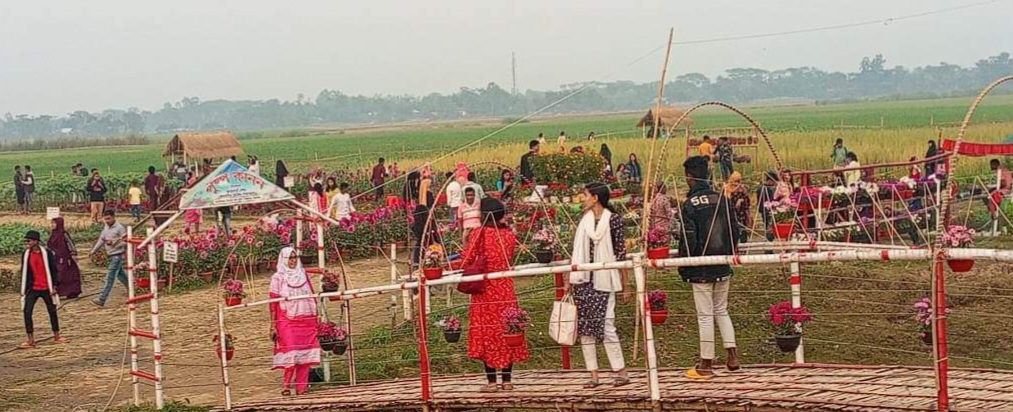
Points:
[[796, 301], [132, 315], [156, 325], [423, 344], [559, 296], [941, 345]]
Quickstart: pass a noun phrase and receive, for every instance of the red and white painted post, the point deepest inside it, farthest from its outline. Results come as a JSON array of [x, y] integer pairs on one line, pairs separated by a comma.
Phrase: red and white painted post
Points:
[[640, 278], [559, 296], [132, 315], [156, 326], [942, 364], [423, 344], [223, 358], [796, 301]]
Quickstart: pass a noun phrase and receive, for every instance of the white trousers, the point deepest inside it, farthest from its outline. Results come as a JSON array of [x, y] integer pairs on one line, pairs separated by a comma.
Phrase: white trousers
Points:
[[711, 301], [613, 349]]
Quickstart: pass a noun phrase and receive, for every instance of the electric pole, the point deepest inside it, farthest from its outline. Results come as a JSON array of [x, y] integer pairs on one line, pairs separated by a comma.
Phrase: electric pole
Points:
[[513, 72]]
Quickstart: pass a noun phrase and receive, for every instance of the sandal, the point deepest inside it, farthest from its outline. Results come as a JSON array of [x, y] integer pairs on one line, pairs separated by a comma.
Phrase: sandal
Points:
[[620, 381], [591, 384], [61, 340], [489, 388], [701, 374], [507, 386], [286, 392], [26, 345]]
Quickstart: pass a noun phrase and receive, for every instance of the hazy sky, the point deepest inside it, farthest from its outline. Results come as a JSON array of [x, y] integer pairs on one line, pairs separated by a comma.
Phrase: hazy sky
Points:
[[58, 56]]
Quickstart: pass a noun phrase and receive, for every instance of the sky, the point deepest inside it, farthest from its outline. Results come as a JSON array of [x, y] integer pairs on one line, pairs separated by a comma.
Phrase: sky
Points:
[[57, 56]]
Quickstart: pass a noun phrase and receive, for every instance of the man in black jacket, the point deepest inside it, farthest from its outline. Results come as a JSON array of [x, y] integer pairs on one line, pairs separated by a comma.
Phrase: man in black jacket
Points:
[[709, 230], [527, 173], [38, 281]]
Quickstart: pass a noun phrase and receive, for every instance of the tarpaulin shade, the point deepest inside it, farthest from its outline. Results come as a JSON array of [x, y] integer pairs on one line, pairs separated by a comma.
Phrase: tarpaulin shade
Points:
[[979, 149]]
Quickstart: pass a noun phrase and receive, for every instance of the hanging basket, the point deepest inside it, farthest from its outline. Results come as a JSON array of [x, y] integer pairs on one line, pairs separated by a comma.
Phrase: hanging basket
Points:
[[331, 298], [544, 256], [659, 316], [432, 273], [783, 231], [926, 337], [788, 343], [340, 347], [327, 345], [233, 301], [960, 265], [229, 353], [514, 340], [657, 252], [452, 336]]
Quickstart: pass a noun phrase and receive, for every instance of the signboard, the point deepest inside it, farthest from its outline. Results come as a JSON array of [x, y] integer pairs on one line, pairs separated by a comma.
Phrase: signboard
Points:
[[52, 213], [231, 184], [289, 182], [170, 252]]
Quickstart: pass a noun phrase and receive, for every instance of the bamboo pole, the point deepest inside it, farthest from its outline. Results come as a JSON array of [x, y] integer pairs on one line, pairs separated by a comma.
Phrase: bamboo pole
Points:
[[224, 359], [647, 176]]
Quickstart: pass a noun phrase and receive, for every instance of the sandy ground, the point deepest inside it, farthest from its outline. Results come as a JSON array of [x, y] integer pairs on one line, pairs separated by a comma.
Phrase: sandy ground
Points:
[[84, 373]]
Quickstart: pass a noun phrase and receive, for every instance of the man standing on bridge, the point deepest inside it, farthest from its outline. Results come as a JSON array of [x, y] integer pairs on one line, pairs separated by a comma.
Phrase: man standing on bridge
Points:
[[709, 227]]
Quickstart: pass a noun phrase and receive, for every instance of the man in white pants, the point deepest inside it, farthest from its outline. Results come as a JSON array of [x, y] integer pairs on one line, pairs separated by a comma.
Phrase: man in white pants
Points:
[[709, 230]]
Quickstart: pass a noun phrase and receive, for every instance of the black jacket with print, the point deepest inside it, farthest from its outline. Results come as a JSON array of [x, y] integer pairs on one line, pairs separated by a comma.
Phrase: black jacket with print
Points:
[[708, 231]]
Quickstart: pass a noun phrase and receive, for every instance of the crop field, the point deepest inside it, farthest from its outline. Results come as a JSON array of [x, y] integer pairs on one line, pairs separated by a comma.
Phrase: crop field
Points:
[[802, 134]]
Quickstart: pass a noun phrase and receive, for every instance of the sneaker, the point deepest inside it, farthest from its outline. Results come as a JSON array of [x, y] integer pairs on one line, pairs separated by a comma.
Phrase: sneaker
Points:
[[98, 303]]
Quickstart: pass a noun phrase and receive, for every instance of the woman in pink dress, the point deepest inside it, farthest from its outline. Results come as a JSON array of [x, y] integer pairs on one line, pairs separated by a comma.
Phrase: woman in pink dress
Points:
[[193, 217], [294, 323]]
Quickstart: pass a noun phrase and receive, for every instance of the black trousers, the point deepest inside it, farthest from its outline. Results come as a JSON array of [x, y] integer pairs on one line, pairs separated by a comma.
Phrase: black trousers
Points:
[[30, 298], [490, 373]]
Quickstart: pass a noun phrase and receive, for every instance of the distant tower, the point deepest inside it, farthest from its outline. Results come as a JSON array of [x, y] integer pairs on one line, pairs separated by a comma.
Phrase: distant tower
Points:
[[513, 72]]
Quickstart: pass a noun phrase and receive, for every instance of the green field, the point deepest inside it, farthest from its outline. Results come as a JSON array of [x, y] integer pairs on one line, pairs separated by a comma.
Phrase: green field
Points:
[[334, 147]]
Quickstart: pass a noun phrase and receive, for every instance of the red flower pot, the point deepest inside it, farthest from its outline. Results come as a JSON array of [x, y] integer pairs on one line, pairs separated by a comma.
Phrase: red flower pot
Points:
[[657, 253], [659, 316], [229, 353], [783, 231], [514, 339], [960, 265], [208, 276], [143, 283], [432, 273], [233, 301]]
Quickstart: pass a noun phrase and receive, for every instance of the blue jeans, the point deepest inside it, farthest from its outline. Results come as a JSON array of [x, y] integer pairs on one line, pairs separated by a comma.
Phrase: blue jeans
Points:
[[726, 170], [135, 211], [115, 272]]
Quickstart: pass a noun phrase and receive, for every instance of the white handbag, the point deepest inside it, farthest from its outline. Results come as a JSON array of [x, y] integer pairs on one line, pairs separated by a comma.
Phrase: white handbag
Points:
[[563, 322]]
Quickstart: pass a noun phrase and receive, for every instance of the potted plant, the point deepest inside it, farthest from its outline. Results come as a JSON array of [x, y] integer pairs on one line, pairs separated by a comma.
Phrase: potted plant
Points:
[[330, 283], [959, 237], [516, 320], [451, 328], [432, 264], [783, 213], [546, 242], [332, 338], [659, 306], [788, 321], [658, 242], [233, 293], [924, 318], [230, 350]]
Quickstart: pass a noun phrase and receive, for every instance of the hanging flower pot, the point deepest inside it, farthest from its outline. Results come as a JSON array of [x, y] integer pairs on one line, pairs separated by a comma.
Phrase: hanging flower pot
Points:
[[433, 273], [926, 337], [514, 340], [233, 301], [142, 282], [340, 347], [544, 256], [208, 276], [229, 353], [659, 317], [329, 289], [788, 343], [783, 231], [960, 265], [657, 252], [328, 345], [452, 336]]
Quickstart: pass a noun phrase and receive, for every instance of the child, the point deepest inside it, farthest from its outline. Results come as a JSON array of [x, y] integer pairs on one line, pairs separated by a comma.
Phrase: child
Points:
[[135, 200], [916, 170], [470, 212], [341, 204]]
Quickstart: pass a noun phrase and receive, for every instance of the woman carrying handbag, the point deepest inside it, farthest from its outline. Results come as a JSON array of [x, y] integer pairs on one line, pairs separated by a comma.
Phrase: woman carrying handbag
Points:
[[492, 246]]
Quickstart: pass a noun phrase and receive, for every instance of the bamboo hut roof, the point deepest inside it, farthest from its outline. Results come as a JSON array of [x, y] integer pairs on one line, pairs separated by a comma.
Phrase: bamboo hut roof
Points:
[[205, 145], [668, 116]]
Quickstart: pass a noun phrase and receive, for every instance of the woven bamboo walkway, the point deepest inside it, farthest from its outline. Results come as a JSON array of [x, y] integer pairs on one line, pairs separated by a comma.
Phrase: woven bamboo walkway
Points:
[[755, 388]]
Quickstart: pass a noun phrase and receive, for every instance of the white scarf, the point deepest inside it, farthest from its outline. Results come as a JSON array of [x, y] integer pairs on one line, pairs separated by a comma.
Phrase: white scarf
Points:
[[600, 234], [49, 279], [291, 282]]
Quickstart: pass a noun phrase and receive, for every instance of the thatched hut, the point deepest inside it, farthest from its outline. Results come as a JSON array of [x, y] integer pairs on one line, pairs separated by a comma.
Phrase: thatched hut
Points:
[[667, 116], [204, 145]]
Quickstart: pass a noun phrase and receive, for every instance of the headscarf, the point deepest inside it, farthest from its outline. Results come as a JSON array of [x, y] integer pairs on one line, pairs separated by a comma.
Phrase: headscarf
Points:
[[733, 183], [291, 282], [462, 170], [58, 239]]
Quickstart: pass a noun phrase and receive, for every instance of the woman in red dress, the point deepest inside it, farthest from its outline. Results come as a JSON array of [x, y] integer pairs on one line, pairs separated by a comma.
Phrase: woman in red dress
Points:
[[495, 242]]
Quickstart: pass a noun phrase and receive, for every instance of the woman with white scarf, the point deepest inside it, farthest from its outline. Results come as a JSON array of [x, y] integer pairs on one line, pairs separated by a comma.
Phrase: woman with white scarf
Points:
[[599, 239], [294, 323]]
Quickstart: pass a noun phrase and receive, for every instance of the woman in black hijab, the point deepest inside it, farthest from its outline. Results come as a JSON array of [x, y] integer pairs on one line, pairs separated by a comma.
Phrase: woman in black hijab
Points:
[[930, 165], [607, 155], [280, 173]]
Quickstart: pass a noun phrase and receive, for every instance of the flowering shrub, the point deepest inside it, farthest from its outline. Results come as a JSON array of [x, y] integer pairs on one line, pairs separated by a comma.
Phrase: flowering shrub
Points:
[[788, 320], [233, 289], [545, 239], [783, 211], [657, 299], [958, 236], [450, 324], [568, 169], [924, 315], [658, 237], [330, 332], [434, 256], [516, 320]]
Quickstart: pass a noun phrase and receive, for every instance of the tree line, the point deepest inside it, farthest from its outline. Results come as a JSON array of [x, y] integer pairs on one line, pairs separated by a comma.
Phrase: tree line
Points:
[[872, 80]]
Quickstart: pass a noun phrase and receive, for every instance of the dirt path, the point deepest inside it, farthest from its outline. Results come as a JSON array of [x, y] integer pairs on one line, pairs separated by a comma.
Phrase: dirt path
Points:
[[84, 373]]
